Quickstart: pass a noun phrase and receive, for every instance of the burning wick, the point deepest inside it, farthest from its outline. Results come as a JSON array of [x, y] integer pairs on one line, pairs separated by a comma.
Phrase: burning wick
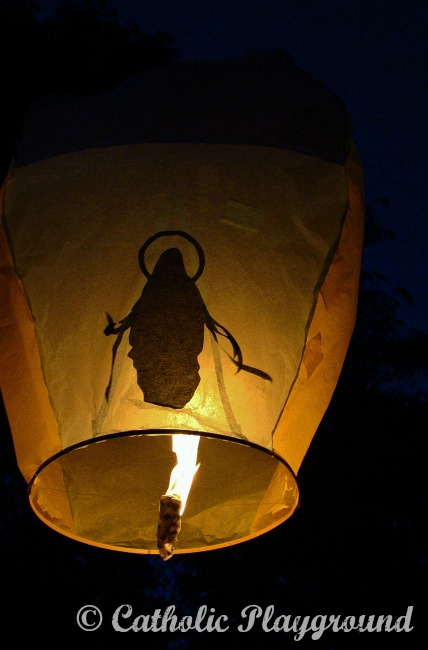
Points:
[[172, 503], [169, 526]]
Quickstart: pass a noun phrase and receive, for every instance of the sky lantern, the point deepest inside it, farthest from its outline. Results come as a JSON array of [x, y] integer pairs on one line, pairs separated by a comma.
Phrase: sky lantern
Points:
[[180, 269]]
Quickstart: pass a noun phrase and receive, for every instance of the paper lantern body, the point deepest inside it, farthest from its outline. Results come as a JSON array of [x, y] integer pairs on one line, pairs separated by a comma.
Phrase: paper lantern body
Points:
[[259, 198]]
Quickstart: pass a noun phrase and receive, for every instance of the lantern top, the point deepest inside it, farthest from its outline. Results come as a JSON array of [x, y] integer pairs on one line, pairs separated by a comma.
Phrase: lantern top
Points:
[[260, 100]]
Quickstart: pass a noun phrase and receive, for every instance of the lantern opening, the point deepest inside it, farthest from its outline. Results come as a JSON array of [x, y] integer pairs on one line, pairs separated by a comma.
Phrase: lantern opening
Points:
[[92, 491]]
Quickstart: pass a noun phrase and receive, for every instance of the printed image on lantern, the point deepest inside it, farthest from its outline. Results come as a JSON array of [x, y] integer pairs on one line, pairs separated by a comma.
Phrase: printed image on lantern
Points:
[[181, 261]]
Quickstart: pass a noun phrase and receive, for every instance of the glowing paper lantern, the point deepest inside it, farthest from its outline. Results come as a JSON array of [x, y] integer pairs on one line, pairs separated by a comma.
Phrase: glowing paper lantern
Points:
[[180, 264]]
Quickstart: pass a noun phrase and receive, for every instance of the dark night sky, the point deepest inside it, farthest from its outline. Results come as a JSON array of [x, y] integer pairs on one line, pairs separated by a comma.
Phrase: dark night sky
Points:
[[374, 55]]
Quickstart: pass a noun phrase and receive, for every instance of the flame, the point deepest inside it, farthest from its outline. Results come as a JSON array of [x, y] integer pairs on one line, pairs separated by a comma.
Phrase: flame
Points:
[[173, 502], [185, 448]]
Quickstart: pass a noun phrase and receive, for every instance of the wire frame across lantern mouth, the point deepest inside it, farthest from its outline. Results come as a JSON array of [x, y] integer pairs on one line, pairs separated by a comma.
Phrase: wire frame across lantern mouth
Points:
[[105, 491]]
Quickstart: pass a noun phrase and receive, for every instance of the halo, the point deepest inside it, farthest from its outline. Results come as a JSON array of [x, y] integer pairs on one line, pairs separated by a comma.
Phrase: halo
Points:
[[168, 233]]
